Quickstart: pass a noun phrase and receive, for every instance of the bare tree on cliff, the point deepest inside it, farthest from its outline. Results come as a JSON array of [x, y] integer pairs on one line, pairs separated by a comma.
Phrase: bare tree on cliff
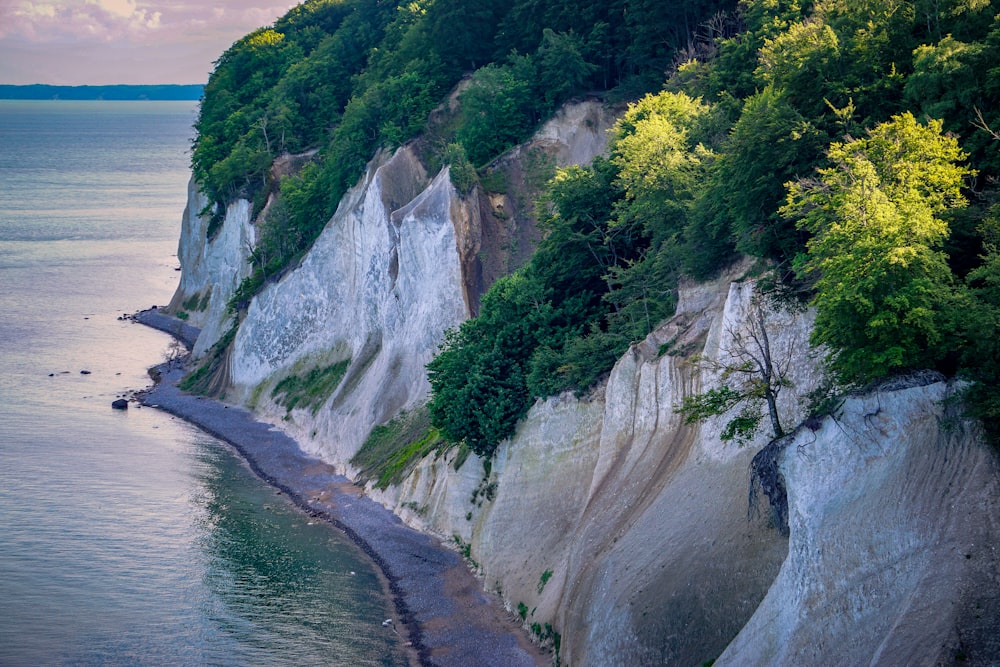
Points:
[[751, 376]]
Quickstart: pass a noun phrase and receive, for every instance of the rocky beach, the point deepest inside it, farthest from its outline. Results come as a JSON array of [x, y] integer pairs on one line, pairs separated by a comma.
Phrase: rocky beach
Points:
[[443, 614]]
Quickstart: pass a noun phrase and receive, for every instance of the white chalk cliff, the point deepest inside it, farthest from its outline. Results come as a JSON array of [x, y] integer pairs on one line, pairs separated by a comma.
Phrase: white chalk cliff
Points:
[[211, 269], [607, 519]]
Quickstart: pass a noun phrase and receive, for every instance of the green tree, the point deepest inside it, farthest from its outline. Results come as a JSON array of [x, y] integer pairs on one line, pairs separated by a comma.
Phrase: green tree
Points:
[[771, 143], [496, 113], [944, 80], [660, 162], [804, 62], [478, 377], [981, 321], [562, 68], [462, 32], [883, 286]]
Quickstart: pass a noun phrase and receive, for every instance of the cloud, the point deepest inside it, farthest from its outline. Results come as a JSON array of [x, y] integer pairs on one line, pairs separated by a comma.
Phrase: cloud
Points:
[[123, 41], [91, 20], [153, 21]]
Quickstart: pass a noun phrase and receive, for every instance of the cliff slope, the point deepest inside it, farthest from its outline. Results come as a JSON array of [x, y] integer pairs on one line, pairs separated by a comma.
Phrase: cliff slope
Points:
[[211, 268], [628, 531]]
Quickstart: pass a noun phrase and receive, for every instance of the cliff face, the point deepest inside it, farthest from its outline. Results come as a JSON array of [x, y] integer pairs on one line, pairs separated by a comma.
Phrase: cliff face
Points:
[[403, 259], [614, 521], [894, 519], [607, 519], [377, 290], [212, 269], [628, 530]]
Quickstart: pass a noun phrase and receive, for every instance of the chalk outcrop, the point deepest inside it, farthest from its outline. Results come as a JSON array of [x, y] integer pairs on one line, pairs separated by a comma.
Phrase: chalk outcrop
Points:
[[378, 289], [894, 547], [613, 521], [212, 268], [404, 258], [628, 531]]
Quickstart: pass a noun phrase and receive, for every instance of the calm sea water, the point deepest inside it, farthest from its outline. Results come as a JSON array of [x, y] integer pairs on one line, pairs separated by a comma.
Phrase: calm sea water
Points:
[[132, 538]]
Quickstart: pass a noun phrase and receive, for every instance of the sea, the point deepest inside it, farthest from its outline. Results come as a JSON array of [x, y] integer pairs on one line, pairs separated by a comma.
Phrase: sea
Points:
[[130, 537]]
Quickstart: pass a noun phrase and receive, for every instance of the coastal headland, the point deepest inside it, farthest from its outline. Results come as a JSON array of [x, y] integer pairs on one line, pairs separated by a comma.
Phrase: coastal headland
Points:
[[442, 612]]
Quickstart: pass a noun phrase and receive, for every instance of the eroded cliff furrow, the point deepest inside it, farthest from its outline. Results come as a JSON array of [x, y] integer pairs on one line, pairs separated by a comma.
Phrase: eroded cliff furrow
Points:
[[613, 521]]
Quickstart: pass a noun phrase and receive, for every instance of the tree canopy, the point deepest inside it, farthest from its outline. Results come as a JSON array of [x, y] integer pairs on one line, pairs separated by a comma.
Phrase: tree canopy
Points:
[[852, 145], [883, 286]]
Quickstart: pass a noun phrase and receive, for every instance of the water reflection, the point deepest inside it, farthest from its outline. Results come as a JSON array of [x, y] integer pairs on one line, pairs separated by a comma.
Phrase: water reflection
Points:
[[284, 589]]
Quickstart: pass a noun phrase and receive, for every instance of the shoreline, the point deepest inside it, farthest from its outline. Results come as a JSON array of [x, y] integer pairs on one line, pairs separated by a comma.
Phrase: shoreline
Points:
[[447, 617]]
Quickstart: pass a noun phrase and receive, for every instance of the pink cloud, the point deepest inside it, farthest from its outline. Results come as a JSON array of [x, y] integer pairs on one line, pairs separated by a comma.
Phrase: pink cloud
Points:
[[80, 40], [53, 20], [136, 20]]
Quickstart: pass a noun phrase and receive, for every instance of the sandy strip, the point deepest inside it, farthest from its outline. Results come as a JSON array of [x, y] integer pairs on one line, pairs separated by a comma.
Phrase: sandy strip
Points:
[[443, 611]]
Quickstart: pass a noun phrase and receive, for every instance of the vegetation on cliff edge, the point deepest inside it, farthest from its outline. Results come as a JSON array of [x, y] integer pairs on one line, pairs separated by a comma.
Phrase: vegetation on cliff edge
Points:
[[348, 77], [852, 145]]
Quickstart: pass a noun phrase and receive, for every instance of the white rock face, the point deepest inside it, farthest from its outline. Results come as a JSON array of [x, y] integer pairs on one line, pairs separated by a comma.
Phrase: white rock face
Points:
[[212, 269], [895, 530], [578, 132], [379, 287], [627, 530], [639, 520], [389, 274]]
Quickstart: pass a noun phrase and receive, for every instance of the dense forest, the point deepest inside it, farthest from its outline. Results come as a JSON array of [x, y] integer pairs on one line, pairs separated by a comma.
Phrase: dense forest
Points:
[[850, 145]]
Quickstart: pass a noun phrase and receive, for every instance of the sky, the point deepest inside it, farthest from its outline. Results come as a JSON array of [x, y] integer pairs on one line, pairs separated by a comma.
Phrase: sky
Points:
[[102, 42]]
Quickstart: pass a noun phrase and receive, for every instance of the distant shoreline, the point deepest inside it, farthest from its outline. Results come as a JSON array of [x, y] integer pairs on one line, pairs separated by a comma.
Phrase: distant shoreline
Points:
[[122, 92]]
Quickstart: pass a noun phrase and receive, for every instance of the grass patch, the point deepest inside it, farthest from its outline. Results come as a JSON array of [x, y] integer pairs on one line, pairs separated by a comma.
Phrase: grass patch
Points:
[[365, 359], [392, 449], [197, 302], [465, 548], [495, 181], [544, 579], [309, 391], [201, 379]]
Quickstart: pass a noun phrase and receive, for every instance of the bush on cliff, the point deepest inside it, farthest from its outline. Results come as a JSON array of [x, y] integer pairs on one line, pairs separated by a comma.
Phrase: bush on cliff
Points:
[[884, 291]]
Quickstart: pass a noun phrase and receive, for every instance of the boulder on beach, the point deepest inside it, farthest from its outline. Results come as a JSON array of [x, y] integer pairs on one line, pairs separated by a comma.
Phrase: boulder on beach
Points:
[[120, 404]]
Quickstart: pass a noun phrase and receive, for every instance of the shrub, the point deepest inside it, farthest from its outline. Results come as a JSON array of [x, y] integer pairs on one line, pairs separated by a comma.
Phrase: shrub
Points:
[[309, 391], [391, 450]]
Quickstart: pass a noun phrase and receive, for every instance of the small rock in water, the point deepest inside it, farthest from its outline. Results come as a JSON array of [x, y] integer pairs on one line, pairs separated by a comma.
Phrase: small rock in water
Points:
[[84, 372], [120, 404]]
